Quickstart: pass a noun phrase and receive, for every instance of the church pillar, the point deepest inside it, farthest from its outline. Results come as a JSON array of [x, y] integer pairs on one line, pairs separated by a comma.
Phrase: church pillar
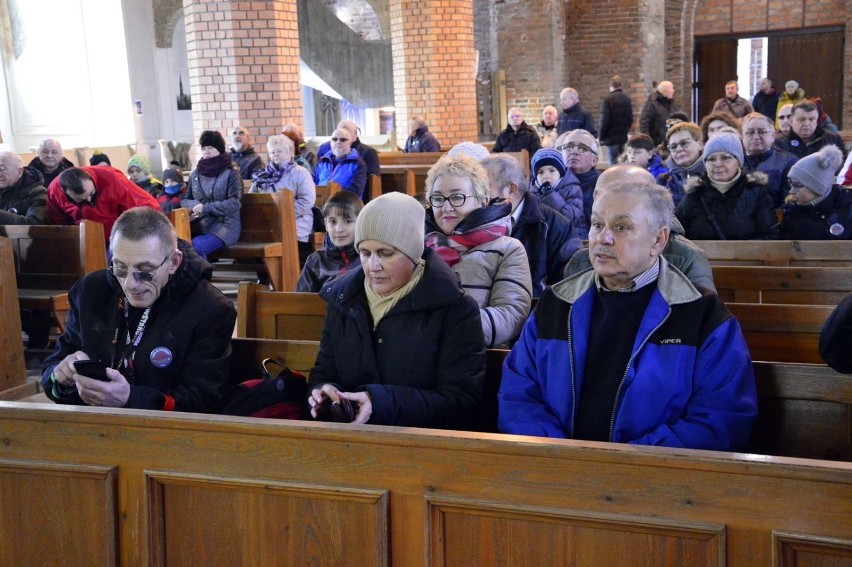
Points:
[[243, 66], [434, 67]]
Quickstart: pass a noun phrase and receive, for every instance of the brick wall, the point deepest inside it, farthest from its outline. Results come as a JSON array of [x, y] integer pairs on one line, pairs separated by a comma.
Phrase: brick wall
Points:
[[243, 66], [433, 67]]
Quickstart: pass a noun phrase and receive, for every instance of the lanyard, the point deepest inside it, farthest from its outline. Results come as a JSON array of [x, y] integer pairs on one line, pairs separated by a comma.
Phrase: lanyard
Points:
[[130, 343]]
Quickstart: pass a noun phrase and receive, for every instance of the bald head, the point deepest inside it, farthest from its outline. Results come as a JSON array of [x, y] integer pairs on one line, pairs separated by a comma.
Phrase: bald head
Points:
[[622, 173], [666, 88], [349, 126], [11, 169]]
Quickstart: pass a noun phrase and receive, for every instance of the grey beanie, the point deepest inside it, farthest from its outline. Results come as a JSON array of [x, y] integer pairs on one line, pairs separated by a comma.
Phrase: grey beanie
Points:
[[818, 171], [724, 142], [395, 219]]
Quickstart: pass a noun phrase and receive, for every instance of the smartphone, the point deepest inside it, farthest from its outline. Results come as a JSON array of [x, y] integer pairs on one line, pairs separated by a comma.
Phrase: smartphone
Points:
[[92, 369]]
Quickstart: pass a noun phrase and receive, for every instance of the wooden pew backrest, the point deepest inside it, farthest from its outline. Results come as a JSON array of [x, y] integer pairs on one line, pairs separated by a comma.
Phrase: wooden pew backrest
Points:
[[12, 367], [774, 284], [782, 333], [813, 253], [180, 220], [279, 315]]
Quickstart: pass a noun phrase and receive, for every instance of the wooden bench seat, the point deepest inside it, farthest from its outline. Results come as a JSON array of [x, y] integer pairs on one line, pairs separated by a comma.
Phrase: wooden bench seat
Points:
[[269, 235], [813, 253], [50, 259]]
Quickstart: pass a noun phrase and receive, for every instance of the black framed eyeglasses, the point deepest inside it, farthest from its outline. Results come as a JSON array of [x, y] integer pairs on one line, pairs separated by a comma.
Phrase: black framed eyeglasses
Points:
[[141, 277], [456, 200]]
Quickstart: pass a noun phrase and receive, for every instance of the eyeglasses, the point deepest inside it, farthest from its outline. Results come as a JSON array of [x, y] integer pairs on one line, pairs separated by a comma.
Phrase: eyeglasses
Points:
[[721, 158], [141, 277], [759, 132], [579, 148], [680, 145], [456, 200], [340, 139]]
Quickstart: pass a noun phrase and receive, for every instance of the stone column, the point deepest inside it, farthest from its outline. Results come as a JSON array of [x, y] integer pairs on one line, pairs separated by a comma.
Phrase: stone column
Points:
[[434, 67], [243, 66]]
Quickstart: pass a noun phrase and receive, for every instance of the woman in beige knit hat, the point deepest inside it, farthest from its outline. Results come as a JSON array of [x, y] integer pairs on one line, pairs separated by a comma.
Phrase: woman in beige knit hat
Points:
[[402, 343]]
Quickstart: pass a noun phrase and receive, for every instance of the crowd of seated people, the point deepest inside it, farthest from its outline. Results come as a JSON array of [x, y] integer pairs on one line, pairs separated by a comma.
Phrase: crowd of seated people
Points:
[[456, 273]]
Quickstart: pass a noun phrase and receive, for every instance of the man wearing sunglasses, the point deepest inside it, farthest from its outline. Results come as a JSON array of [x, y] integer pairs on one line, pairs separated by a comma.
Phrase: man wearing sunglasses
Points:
[[152, 318]]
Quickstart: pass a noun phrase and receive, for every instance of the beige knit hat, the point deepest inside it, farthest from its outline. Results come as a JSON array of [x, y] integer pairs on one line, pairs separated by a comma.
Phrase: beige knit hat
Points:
[[395, 219]]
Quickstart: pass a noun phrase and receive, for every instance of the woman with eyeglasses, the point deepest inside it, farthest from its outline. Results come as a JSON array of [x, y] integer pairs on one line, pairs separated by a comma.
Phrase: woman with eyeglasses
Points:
[[213, 196], [342, 165], [402, 344], [684, 144], [725, 203], [817, 208], [471, 234]]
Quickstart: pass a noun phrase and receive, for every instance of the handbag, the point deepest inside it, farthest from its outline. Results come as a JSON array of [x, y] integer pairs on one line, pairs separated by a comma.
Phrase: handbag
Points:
[[281, 397]]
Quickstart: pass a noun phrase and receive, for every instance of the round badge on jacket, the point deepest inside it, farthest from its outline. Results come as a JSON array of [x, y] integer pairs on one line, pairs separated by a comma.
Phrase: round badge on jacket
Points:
[[836, 229], [161, 357]]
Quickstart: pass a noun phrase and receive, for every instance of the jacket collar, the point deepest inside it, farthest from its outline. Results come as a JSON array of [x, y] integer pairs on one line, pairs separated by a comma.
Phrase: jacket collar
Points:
[[674, 287]]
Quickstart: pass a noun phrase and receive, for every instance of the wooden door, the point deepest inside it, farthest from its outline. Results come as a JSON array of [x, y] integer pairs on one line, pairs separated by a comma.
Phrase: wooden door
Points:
[[813, 58], [715, 64]]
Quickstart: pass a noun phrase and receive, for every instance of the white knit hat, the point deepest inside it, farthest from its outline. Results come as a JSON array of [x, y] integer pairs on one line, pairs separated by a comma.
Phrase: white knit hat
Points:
[[817, 171], [395, 219]]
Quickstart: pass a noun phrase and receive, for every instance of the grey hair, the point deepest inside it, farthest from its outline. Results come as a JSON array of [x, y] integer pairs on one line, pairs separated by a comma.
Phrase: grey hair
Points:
[[281, 140], [506, 169], [461, 166], [658, 199], [140, 223]]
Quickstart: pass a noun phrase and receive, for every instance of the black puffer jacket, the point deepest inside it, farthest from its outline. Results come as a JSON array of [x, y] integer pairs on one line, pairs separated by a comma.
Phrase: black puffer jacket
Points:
[[185, 350], [25, 202], [656, 111], [744, 212], [830, 219], [524, 138], [423, 365]]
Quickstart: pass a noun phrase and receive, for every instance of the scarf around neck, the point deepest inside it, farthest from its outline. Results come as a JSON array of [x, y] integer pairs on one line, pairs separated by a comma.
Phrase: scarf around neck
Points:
[[479, 227], [381, 304], [212, 167], [266, 178], [723, 186]]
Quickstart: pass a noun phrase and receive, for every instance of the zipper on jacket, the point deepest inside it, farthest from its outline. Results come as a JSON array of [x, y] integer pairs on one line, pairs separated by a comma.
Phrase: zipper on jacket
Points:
[[571, 364], [627, 370]]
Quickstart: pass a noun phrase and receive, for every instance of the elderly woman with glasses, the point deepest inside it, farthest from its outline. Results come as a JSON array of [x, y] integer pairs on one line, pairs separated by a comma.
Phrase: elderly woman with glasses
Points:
[[472, 236], [725, 203], [402, 344], [342, 165], [818, 208], [684, 144], [153, 319]]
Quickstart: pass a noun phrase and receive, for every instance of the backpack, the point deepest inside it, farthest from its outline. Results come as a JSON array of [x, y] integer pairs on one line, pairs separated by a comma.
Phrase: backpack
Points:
[[283, 397]]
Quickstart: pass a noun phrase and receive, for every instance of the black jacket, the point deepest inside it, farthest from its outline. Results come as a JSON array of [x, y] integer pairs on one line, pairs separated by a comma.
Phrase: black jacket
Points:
[[248, 160], [766, 104], [830, 219], [616, 118], [424, 364], [549, 240], [422, 141], [36, 164], [744, 212], [25, 202], [795, 145], [656, 111], [576, 117], [188, 336], [524, 138], [835, 340]]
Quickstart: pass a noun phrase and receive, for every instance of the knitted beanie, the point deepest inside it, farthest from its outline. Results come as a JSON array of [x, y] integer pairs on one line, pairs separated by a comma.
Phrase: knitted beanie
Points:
[[213, 139], [141, 162], [470, 149], [548, 156], [724, 142], [395, 219], [174, 174], [817, 171], [99, 157]]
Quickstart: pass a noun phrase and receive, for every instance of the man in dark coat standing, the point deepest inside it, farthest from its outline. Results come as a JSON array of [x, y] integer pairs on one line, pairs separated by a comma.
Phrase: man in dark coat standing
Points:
[[518, 135], [658, 108], [766, 99], [573, 115], [616, 119]]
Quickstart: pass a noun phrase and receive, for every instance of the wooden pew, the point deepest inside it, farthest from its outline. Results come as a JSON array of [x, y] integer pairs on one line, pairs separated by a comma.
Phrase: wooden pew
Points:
[[13, 371], [774, 284], [402, 158], [782, 333], [813, 253], [279, 315], [140, 488], [180, 220], [268, 234], [50, 259]]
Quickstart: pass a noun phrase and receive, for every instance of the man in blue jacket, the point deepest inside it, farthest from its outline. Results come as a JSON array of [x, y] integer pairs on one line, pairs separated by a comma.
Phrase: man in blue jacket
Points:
[[630, 351]]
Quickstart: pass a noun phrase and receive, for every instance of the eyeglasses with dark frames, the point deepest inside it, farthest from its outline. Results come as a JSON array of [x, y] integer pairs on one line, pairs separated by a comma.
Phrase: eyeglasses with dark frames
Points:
[[456, 200]]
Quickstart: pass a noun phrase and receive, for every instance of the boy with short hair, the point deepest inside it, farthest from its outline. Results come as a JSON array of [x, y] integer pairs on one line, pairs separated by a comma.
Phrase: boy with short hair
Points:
[[558, 188], [338, 254], [640, 151]]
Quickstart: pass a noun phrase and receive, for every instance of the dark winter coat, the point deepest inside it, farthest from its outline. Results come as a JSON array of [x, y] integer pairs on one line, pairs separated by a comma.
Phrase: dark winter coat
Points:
[[423, 365], [830, 219], [36, 164], [677, 178], [656, 111], [795, 145], [766, 104], [350, 172], [186, 347], [775, 164], [524, 138], [327, 264], [835, 340], [567, 200], [221, 199], [576, 117], [616, 118], [549, 240], [422, 141], [744, 212], [25, 202], [248, 161]]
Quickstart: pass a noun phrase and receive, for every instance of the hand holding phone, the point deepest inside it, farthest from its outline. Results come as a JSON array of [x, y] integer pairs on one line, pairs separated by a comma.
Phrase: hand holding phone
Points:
[[92, 369]]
